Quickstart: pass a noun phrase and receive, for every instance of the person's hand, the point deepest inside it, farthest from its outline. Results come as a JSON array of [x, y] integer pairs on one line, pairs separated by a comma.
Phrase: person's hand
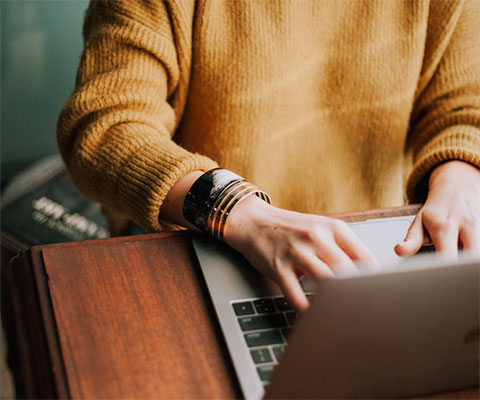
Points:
[[451, 214], [286, 245]]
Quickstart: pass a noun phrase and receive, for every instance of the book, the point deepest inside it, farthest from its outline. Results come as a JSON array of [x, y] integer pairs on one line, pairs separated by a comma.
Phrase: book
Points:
[[41, 205]]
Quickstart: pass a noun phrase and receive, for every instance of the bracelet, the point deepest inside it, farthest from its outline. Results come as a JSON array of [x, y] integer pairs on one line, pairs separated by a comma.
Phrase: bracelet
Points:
[[212, 197], [233, 199], [219, 213], [201, 196]]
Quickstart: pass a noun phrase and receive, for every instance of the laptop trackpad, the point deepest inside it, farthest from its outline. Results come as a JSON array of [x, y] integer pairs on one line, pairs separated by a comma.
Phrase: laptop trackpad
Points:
[[380, 236]]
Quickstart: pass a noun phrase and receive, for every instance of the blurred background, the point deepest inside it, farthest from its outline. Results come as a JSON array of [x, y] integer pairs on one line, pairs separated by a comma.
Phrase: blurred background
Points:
[[41, 44]]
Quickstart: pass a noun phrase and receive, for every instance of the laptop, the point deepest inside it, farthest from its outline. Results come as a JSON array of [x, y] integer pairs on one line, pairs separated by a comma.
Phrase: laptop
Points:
[[409, 329]]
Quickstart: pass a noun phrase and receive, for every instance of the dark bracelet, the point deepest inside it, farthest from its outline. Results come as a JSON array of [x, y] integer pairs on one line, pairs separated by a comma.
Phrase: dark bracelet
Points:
[[201, 197], [213, 196]]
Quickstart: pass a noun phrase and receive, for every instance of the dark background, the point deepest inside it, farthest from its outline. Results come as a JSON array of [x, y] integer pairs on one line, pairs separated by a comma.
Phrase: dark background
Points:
[[41, 45]]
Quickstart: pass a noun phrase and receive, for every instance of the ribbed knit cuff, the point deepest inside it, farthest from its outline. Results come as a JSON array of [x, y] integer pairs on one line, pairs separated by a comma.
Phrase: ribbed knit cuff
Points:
[[150, 174], [455, 143]]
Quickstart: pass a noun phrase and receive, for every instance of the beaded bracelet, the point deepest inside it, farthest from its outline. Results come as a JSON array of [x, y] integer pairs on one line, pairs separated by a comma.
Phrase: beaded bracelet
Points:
[[212, 197]]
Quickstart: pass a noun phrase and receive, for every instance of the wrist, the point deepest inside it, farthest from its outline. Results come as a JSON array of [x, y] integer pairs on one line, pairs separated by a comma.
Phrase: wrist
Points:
[[453, 170], [212, 198], [172, 207], [245, 219]]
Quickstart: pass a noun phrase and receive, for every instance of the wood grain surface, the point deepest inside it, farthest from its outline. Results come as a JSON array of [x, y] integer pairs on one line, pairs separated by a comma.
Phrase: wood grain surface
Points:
[[33, 348], [133, 323], [358, 216]]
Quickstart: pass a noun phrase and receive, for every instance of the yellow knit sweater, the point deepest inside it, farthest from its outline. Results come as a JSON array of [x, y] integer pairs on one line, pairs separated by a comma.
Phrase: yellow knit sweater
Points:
[[329, 106]]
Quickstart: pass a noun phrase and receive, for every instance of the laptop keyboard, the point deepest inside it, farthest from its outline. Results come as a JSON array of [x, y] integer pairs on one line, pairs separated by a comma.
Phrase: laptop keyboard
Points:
[[265, 324]]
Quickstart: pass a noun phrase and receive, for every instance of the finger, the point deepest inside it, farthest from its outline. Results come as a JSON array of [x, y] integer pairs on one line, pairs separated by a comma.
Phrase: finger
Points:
[[337, 260], [414, 238], [470, 239], [355, 248], [445, 238], [292, 289], [309, 264]]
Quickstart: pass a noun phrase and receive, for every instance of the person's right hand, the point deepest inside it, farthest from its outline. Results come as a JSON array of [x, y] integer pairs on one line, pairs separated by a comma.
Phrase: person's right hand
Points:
[[286, 245]]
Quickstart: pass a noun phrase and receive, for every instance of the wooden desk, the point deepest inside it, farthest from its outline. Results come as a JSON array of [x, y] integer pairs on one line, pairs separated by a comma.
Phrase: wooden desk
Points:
[[125, 318]]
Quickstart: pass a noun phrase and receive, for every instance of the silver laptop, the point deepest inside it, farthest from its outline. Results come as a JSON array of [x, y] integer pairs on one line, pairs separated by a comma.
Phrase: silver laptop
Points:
[[410, 329]]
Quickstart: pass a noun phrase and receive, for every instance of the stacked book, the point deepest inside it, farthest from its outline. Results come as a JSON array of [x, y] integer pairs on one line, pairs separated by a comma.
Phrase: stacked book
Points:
[[41, 205]]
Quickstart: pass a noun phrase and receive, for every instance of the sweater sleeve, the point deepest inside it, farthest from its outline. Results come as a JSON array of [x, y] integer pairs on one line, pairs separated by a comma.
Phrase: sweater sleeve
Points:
[[445, 123], [115, 131]]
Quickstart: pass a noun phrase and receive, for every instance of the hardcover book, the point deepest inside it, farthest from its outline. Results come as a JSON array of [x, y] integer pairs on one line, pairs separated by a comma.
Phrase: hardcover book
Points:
[[41, 205]]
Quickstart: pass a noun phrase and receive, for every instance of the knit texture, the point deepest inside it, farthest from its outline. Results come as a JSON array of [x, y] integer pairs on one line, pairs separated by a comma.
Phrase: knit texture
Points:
[[329, 106]]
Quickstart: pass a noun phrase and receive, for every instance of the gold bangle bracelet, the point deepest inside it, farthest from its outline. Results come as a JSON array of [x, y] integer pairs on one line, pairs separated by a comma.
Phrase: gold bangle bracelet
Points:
[[219, 206], [219, 222], [233, 203], [232, 199], [212, 197]]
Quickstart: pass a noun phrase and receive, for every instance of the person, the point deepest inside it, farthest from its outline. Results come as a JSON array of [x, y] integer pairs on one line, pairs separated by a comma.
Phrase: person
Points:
[[327, 106]]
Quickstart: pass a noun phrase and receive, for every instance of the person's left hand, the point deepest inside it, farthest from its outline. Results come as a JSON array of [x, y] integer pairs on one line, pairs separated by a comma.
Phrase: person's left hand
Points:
[[450, 216]]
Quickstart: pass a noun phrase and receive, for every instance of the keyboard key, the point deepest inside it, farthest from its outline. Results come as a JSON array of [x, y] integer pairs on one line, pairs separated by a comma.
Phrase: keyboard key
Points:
[[291, 317], [244, 308], [278, 351], [264, 306], [282, 304], [265, 372], [263, 338], [262, 322], [261, 355]]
